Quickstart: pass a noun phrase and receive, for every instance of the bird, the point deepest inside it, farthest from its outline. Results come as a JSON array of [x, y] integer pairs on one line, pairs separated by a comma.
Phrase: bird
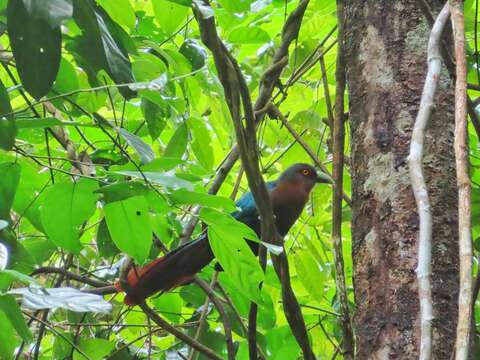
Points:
[[288, 195]]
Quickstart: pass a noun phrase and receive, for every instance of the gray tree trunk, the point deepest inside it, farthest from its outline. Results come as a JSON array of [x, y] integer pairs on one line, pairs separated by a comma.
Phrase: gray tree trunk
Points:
[[386, 44]]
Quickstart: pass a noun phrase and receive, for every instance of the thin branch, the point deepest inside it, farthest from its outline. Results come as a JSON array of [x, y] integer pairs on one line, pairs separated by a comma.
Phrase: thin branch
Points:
[[68, 275], [463, 184], [419, 186], [338, 161]]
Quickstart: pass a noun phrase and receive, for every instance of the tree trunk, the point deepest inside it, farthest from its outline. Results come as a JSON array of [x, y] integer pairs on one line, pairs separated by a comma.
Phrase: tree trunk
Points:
[[386, 44]]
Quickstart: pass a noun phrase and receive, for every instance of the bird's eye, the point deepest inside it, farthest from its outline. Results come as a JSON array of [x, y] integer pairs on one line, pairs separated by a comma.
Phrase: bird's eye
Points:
[[306, 172]]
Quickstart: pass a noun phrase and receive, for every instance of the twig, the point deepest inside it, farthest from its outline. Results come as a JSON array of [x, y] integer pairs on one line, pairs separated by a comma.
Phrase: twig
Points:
[[338, 161], [463, 184], [69, 275], [419, 186]]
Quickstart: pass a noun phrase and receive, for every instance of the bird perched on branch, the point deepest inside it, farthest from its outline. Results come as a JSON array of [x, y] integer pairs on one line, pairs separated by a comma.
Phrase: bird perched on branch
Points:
[[288, 194]]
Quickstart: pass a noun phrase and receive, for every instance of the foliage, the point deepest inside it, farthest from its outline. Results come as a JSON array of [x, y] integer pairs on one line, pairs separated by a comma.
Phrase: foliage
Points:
[[113, 126]]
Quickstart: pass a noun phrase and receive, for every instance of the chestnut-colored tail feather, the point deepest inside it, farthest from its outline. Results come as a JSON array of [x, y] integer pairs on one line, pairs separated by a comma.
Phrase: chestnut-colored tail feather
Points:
[[174, 269]]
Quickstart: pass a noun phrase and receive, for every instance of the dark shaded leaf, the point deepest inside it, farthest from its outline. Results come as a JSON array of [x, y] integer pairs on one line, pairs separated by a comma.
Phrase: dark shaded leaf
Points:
[[36, 47], [155, 116], [195, 53], [101, 48], [105, 244], [54, 12], [8, 130], [8, 186]]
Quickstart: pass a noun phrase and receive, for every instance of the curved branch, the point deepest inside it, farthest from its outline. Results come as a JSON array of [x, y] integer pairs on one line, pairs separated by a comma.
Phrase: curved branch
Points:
[[69, 275], [419, 186]]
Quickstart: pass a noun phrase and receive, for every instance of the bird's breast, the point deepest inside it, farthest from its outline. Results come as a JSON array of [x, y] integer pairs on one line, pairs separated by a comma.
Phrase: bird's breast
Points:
[[288, 201]]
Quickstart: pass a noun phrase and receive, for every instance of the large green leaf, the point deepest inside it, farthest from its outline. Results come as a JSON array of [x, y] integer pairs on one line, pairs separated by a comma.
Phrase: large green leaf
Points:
[[178, 142], [201, 145], [155, 116], [101, 47], [65, 207], [8, 340], [227, 240], [54, 12], [37, 57], [129, 226], [10, 308], [8, 186], [169, 15], [95, 349], [8, 130], [120, 11], [143, 150], [310, 274], [249, 35], [183, 196]]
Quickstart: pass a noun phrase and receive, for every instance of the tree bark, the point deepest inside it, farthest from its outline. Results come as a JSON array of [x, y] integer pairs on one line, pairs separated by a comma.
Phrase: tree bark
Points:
[[386, 45]]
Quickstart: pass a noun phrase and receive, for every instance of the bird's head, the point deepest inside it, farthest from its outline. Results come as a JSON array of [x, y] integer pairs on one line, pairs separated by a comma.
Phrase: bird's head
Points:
[[305, 175]]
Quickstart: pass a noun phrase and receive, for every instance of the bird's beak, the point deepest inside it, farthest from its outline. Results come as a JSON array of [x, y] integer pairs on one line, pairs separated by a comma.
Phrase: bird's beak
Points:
[[324, 178]]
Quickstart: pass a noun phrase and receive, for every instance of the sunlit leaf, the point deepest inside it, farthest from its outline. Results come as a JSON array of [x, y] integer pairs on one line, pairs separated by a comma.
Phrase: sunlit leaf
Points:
[[129, 226], [143, 150], [10, 308], [8, 130], [66, 206]]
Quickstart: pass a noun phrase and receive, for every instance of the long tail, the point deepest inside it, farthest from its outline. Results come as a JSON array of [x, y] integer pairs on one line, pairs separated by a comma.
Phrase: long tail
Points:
[[174, 269]]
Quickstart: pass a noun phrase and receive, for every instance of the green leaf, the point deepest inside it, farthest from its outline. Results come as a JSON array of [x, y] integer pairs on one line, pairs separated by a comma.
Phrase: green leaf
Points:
[[17, 275], [102, 47], [67, 79], [65, 207], [54, 12], [8, 130], [202, 143], [183, 196], [169, 305], [155, 116], [227, 240], [143, 150], [310, 274], [122, 191], [8, 186], [105, 244], [248, 35], [195, 53], [12, 311], [236, 6], [120, 11], [95, 349], [37, 57], [169, 15], [129, 226], [178, 143], [8, 339], [62, 349]]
